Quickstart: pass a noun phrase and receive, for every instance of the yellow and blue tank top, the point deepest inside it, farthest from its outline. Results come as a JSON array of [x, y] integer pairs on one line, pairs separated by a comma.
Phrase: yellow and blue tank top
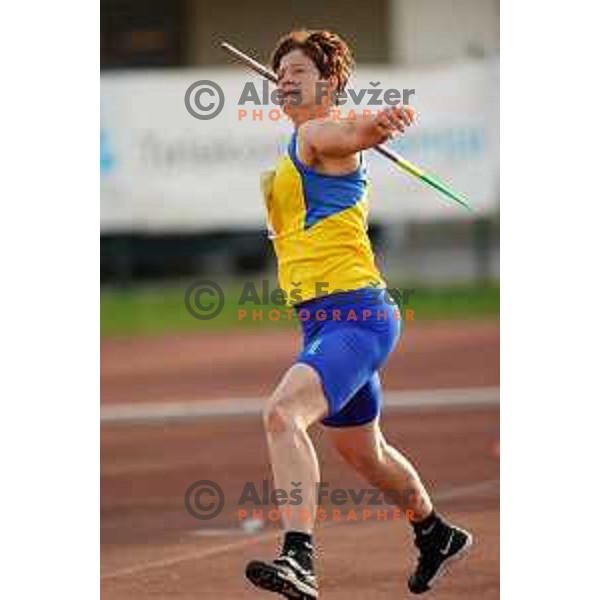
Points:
[[318, 226]]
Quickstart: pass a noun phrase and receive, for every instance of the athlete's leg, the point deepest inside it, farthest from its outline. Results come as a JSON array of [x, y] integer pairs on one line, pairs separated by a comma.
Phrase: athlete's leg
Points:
[[297, 402], [295, 405], [366, 450], [437, 541]]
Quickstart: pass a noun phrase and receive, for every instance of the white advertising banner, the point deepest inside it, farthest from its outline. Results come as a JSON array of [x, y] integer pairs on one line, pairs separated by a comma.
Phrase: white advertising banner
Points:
[[164, 170]]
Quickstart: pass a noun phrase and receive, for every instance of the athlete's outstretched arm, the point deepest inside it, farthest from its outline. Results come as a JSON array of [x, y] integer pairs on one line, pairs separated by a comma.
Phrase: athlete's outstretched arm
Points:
[[348, 136]]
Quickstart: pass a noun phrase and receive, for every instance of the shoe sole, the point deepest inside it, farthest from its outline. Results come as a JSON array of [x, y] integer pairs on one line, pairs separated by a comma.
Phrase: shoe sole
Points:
[[267, 577], [451, 560]]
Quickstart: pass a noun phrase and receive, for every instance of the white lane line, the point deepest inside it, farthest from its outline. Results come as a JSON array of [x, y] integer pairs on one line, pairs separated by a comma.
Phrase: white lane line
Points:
[[224, 531], [198, 555], [160, 412], [475, 489], [472, 489]]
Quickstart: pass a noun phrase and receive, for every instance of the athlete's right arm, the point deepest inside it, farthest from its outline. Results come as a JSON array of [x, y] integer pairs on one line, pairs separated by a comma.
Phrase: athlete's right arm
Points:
[[345, 137]]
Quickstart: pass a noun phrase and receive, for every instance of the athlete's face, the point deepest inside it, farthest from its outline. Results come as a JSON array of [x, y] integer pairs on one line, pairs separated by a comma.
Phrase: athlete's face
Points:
[[302, 85]]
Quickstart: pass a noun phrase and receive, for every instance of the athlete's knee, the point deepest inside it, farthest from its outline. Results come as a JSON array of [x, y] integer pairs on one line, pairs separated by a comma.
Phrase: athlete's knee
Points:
[[274, 418], [278, 417]]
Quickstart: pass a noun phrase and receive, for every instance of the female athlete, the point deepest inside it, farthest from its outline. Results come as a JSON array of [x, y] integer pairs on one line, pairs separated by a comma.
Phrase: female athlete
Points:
[[316, 203]]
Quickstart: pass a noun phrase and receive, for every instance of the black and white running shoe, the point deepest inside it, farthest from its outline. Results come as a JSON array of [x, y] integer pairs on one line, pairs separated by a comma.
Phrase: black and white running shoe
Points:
[[437, 548], [285, 576]]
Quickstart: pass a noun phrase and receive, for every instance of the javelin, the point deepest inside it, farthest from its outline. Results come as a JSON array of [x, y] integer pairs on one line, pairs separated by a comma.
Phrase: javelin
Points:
[[398, 160]]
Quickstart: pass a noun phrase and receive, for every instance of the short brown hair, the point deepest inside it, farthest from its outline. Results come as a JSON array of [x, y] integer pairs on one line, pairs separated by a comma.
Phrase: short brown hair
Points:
[[327, 50]]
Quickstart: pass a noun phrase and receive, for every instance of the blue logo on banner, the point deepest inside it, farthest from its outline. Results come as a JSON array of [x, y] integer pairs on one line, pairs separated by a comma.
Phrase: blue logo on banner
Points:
[[106, 158], [457, 144]]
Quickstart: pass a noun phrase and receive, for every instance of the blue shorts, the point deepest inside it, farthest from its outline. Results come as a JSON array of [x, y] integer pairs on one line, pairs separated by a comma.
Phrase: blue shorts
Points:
[[348, 336]]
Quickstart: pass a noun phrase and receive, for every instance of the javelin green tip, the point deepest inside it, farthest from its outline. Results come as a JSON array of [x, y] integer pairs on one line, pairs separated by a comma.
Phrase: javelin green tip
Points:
[[442, 187]]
